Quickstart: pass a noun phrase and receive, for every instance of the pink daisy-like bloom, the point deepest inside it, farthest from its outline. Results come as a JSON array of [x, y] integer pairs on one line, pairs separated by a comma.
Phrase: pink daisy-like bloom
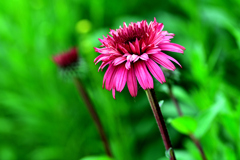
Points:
[[132, 52], [66, 59]]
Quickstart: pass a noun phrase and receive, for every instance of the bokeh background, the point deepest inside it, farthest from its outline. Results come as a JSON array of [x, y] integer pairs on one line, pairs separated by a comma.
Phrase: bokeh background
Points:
[[43, 118]]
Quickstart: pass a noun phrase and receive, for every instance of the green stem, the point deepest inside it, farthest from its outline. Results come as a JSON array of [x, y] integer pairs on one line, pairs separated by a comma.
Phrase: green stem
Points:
[[174, 100], [160, 122], [194, 139], [94, 115]]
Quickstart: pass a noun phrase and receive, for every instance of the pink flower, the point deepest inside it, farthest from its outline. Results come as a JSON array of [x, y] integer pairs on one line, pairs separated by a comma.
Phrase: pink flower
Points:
[[66, 59], [132, 52]]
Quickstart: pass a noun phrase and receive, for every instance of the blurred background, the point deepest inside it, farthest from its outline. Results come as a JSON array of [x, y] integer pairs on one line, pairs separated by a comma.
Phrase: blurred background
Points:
[[43, 118]]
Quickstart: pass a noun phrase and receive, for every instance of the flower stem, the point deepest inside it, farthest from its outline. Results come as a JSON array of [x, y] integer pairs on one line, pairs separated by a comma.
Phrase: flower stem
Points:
[[194, 139], [160, 121], [174, 100], [94, 114]]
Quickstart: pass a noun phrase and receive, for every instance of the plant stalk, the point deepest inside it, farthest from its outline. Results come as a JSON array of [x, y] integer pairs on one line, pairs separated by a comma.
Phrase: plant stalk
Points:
[[94, 115], [193, 138], [174, 100], [160, 122]]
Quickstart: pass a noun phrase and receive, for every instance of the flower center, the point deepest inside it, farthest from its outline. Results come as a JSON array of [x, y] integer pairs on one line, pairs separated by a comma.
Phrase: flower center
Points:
[[132, 39]]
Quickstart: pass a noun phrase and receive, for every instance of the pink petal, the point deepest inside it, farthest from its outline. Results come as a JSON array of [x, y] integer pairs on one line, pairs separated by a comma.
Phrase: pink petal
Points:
[[103, 65], [144, 78], [171, 34], [171, 47], [119, 60], [157, 40], [107, 73], [107, 52], [128, 65], [160, 27], [171, 58], [132, 47], [112, 31], [155, 70], [126, 54], [110, 77], [124, 50], [162, 60], [129, 57], [167, 37], [124, 25], [121, 78], [164, 33], [151, 38], [143, 46], [144, 57], [97, 58], [153, 51], [101, 57], [113, 93], [137, 47], [177, 45], [132, 82], [102, 50], [101, 40], [110, 38], [134, 58]]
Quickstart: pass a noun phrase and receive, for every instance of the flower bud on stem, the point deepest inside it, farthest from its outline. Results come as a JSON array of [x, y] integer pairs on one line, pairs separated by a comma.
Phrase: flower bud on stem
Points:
[[94, 114]]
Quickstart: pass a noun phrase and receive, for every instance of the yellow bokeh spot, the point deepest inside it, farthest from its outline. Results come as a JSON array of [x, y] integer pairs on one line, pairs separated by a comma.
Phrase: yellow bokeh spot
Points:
[[83, 26]]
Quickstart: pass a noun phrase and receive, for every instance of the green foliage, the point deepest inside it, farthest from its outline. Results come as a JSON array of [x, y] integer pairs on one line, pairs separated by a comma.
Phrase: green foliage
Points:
[[185, 124], [205, 118], [96, 158], [43, 118]]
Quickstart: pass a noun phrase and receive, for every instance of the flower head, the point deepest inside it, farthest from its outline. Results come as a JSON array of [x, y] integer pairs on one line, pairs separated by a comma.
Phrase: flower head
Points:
[[66, 59], [132, 52]]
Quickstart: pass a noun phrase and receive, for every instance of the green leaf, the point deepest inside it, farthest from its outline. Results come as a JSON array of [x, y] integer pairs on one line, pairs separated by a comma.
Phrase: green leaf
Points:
[[205, 119], [180, 155], [97, 158], [184, 124], [183, 155], [161, 103], [182, 95]]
